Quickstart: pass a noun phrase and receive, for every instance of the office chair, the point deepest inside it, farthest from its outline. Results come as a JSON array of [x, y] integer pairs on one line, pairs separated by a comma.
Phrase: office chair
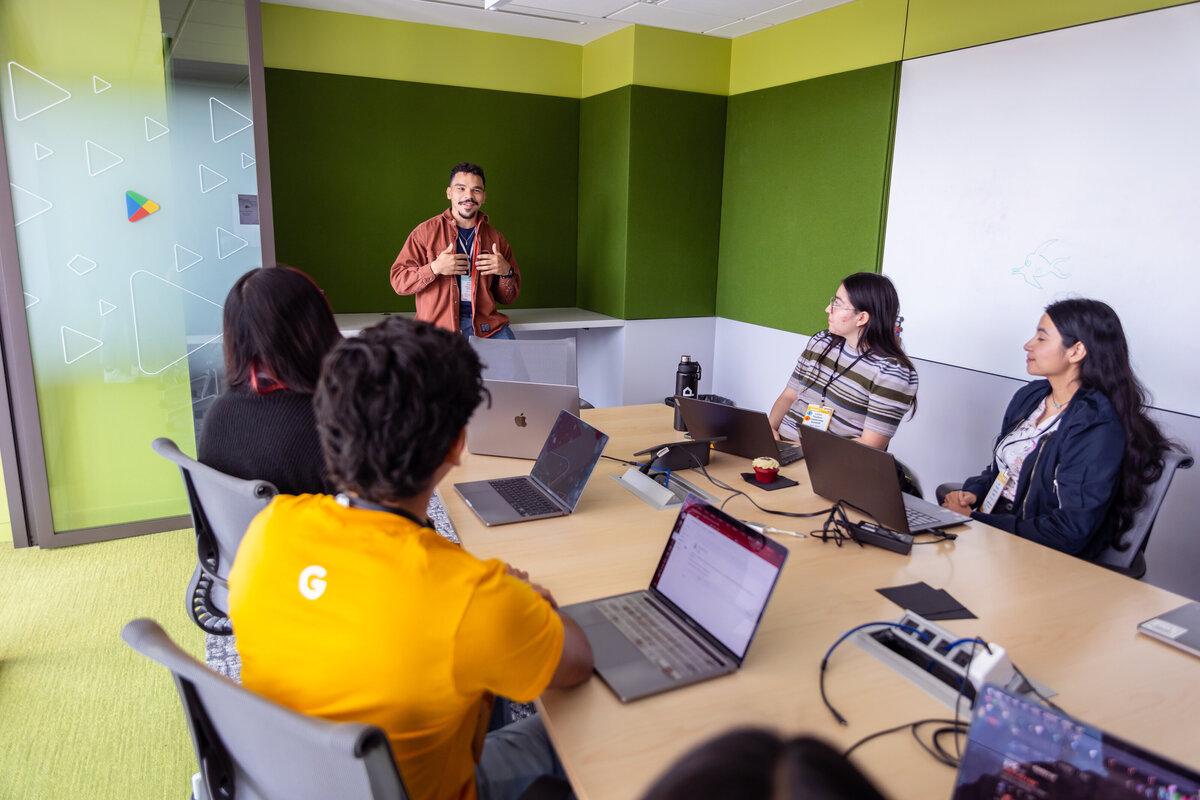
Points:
[[251, 748], [1131, 560], [530, 361], [222, 507]]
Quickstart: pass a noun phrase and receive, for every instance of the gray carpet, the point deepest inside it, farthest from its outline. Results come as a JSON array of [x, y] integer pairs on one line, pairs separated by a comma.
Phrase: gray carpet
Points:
[[221, 651]]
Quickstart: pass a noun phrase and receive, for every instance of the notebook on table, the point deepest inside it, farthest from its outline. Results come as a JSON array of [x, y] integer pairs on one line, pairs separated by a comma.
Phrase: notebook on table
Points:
[[552, 489], [747, 433], [519, 417], [1179, 627], [1025, 751], [866, 478], [698, 617]]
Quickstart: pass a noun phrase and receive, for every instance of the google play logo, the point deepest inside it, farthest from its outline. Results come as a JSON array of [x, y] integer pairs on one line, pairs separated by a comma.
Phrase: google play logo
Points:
[[138, 207]]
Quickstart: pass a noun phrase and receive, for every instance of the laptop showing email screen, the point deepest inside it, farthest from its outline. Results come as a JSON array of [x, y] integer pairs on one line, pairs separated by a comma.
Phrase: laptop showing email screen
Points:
[[568, 457], [719, 575]]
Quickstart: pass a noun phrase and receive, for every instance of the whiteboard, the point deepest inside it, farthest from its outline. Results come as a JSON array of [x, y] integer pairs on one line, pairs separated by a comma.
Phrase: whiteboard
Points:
[[1065, 164]]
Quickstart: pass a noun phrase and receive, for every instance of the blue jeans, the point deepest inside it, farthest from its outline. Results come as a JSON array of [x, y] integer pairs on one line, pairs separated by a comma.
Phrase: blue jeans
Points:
[[514, 757], [464, 326]]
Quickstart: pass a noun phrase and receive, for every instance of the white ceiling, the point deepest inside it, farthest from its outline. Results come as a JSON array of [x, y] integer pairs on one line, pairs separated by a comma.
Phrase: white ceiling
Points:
[[582, 21]]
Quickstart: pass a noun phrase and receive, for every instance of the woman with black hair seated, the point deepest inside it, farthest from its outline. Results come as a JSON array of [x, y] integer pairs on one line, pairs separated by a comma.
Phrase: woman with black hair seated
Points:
[[278, 327], [756, 764], [854, 378], [1076, 450]]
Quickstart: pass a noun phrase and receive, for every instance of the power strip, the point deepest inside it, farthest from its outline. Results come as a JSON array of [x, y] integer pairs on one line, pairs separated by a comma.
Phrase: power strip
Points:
[[888, 539]]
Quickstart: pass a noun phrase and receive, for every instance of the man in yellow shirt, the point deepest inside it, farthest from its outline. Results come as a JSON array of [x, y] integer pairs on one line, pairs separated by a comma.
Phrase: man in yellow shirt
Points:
[[354, 608]]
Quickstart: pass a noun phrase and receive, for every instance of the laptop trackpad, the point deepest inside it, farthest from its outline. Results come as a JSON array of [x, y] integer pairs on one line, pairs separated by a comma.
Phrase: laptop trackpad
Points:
[[622, 665]]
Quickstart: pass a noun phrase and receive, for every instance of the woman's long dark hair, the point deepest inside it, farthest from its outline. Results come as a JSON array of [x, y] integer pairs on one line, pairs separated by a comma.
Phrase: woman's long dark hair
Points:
[[876, 295], [1106, 369], [278, 326]]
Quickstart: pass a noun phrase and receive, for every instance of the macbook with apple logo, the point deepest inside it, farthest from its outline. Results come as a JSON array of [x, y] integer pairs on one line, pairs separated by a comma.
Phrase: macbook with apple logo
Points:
[[519, 418]]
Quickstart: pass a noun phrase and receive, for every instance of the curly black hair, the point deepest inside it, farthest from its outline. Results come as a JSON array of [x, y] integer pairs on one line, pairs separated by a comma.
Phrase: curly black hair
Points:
[[390, 404]]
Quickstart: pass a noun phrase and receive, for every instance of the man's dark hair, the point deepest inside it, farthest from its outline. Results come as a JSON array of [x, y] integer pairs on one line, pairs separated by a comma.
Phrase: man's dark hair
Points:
[[390, 403], [277, 325], [467, 166]]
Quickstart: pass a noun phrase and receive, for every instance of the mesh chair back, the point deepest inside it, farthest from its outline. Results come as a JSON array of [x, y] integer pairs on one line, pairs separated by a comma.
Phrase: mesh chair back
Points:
[[250, 748], [222, 507], [1130, 560], [529, 360]]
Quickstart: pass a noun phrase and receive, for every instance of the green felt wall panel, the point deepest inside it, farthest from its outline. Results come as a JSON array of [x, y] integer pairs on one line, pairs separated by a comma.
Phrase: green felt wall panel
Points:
[[357, 163], [677, 144], [803, 205], [604, 181]]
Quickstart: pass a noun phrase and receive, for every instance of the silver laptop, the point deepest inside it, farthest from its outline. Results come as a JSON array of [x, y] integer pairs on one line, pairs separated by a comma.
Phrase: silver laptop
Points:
[[866, 478], [699, 615], [553, 489], [519, 418], [747, 433]]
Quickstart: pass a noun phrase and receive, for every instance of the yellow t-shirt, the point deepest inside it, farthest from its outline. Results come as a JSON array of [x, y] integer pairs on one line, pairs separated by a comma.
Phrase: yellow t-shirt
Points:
[[357, 615]]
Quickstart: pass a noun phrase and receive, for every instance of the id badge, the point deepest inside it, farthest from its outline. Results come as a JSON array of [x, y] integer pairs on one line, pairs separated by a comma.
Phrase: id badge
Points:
[[818, 417], [994, 493]]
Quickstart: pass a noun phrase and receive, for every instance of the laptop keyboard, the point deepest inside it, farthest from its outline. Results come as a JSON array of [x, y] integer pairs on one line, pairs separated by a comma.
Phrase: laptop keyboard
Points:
[[789, 453], [918, 519], [525, 498], [659, 639]]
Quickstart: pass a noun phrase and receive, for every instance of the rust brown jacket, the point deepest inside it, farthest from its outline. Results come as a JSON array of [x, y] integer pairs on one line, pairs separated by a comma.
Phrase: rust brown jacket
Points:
[[437, 295]]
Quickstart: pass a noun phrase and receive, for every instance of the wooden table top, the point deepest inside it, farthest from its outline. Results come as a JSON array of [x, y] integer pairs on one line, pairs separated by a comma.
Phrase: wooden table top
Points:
[[1069, 624]]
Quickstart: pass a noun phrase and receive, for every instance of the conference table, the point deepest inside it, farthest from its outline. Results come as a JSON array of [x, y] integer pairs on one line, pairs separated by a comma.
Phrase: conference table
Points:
[[1065, 623]]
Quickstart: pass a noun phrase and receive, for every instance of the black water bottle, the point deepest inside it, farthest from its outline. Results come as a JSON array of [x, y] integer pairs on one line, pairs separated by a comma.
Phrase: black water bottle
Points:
[[687, 383]]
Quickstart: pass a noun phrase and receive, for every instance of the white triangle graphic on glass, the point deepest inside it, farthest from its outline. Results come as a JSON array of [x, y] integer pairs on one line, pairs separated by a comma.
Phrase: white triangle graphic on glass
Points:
[[157, 305], [210, 179], [100, 159], [31, 301], [247, 160], [228, 243], [31, 93], [27, 205], [77, 344], [81, 265], [106, 308], [40, 151], [155, 129], [225, 122], [190, 258], [100, 85]]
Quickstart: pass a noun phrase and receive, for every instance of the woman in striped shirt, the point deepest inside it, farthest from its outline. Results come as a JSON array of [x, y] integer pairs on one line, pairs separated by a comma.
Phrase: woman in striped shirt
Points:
[[852, 379]]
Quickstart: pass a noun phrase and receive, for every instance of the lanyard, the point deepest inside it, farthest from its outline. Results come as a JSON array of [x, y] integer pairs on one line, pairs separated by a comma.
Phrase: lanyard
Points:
[[347, 501], [1035, 435], [838, 374]]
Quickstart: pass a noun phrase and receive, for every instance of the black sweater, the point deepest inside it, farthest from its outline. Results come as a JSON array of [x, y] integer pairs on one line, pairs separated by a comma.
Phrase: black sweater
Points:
[[265, 436]]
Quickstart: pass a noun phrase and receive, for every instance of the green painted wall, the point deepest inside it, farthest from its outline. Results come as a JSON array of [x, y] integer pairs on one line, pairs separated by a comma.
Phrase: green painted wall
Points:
[[804, 190], [357, 163], [677, 144], [604, 134]]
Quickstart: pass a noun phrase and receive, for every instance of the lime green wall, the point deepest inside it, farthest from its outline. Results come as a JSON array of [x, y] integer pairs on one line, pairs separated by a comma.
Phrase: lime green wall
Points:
[[676, 148], [689, 62], [608, 62], [805, 169], [604, 135], [351, 181], [348, 44]]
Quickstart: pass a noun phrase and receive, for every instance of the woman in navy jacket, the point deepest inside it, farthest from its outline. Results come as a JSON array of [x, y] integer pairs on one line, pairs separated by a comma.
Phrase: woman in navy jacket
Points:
[[1075, 450]]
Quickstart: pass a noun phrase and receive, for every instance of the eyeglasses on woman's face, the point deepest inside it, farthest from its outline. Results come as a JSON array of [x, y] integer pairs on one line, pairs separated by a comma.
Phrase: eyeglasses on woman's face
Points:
[[837, 304]]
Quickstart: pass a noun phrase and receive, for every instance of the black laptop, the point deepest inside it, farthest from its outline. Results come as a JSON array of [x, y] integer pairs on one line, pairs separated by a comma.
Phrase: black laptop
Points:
[[747, 433], [861, 476]]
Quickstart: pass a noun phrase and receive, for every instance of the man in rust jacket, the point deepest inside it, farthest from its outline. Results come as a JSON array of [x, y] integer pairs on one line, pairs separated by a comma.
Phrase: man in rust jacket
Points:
[[459, 266]]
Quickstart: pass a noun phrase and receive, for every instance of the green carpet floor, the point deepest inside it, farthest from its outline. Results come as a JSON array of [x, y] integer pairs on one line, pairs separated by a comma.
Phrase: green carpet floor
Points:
[[81, 714]]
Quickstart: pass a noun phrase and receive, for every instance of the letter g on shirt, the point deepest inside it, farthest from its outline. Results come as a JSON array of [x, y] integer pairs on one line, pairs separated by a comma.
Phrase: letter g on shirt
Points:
[[312, 583]]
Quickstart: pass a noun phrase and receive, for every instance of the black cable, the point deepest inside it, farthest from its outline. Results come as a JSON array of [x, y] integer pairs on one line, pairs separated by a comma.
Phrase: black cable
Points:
[[621, 461], [1034, 689], [914, 727], [722, 485]]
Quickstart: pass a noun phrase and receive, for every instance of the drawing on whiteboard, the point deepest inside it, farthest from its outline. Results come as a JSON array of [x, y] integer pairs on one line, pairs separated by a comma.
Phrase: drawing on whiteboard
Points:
[[1038, 265]]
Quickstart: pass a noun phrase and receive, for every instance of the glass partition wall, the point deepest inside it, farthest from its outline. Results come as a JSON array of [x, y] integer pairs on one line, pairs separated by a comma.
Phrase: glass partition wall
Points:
[[129, 138]]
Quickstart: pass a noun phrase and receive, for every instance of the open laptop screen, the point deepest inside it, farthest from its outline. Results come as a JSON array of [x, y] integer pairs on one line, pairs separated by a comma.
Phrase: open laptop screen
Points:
[[1017, 748], [720, 573], [568, 457]]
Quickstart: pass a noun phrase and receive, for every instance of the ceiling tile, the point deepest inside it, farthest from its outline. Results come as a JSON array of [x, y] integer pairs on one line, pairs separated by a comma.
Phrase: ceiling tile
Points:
[[586, 8], [664, 17], [738, 9], [800, 8], [740, 28]]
